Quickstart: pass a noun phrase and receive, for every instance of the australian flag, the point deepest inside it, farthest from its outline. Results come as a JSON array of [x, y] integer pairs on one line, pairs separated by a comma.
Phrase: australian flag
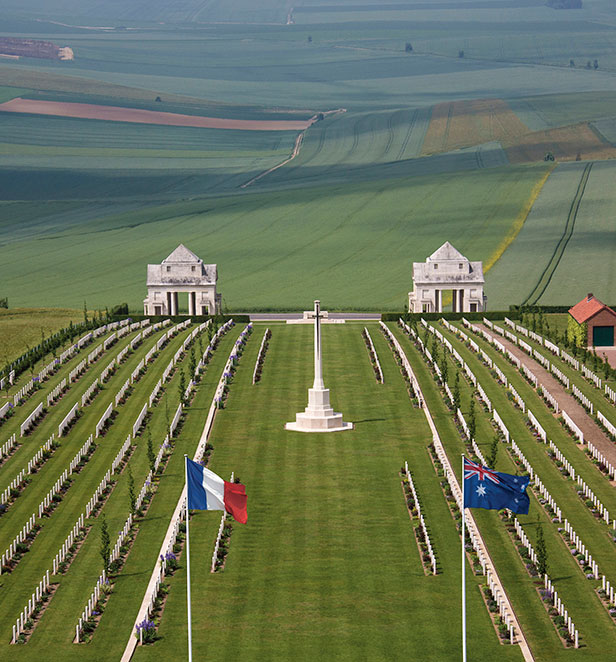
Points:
[[493, 490]]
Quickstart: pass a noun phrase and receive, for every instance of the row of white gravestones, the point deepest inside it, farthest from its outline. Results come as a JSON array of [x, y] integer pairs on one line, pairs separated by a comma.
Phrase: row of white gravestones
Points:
[[550, 399], [167, 371], [379, 370], [89, 608], [607, 425], [35, 600], [136, 341], [138, 422], [95, 353], [582, 399], [117, 548], [91, 393], [80, 454], [31, 419], [14, 484], [598, 455], [518, 400], [405, 362], [120, 394], [155, 392], [219, 536], [136, 374], [48, 369], [68, 419], [113, 338], [610, 394], [97, 493], [20, 396], [422, 521], [189, 389], [77, 370], [150, 354], [123, 332], [57, 486], [572, 426], [537, 426], [8, 446], [67, 544], [19, 539], [56, 392], [543, 360], [123, 353]]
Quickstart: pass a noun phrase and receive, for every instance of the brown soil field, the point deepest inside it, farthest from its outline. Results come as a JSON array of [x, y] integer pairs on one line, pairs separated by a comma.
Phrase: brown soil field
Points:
[[566, 143], [467, 123], [136, 115]]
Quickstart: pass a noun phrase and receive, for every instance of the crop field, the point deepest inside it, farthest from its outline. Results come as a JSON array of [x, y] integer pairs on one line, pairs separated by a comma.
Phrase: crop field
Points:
[[549, 259], [259, 241], [328, 563], [21, 328]]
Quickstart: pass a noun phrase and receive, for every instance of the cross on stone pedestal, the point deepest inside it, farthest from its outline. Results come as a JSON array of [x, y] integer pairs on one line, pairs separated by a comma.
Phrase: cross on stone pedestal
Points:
[[318, 415]]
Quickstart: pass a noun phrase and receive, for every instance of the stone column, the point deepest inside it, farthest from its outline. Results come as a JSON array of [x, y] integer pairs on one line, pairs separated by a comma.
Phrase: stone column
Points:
[[318, 366], [191, 303], [437, 301], [174, 303], [454, 301], [461, 301]]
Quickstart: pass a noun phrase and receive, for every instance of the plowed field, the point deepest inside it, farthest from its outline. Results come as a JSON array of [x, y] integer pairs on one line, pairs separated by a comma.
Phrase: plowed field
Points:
[[467, 123], [119, 114]]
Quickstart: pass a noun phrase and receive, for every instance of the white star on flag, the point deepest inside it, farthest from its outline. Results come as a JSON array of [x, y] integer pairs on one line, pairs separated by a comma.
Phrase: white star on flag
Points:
[[481, 490]]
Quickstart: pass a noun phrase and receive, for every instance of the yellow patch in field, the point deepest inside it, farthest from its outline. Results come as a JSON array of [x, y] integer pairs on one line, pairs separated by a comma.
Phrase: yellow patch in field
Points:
[[467, 123]]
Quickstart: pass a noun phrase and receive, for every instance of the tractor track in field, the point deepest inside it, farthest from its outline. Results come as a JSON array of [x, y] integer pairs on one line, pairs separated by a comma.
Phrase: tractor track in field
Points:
[[559, 250], [390, 135], [407, 137]]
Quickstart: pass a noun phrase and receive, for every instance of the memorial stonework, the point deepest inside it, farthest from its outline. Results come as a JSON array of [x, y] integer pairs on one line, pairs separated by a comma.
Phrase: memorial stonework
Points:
[[318, 416], [182, 271], [447, 270]]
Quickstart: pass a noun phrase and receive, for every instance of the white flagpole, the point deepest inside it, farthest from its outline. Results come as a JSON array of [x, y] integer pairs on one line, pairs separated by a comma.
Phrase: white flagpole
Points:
[[188, 564], [463, 568]]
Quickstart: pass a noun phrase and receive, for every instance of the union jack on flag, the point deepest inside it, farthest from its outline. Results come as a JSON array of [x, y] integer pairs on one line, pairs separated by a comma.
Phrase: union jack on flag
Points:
[[493, 490], [473, 469]]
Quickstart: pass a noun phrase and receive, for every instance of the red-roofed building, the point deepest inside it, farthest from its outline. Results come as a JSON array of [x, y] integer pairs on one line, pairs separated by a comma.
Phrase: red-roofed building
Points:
[[594, 320]]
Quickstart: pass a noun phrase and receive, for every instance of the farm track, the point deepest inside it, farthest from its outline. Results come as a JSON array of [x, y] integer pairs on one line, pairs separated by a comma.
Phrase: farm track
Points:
[[407, 137], [548, 272]]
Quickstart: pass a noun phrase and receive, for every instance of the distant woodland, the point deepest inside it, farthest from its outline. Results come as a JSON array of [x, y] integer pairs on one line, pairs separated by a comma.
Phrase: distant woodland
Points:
[[564, 4]]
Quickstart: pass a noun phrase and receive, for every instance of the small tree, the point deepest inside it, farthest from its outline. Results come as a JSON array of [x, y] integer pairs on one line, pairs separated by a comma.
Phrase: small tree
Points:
[[472, 421], [105, 548], [493, 451], [132, 496], [408, 48], [606, 368], [460, 54], [85, 312], [444, 368], [182, 385], [192, 362], [309, 38], [542, 552], [456, 391], [589, 65], [595, 64], [151, 455], [571, 64]]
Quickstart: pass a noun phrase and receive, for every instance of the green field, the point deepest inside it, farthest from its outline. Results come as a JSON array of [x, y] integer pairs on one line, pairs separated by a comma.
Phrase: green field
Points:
[[299, 243], [21, 328], [567, 277]]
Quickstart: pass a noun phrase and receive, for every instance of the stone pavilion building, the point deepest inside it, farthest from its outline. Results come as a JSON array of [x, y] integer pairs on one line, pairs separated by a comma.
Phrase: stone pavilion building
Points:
[[447, 270], [182, 272]]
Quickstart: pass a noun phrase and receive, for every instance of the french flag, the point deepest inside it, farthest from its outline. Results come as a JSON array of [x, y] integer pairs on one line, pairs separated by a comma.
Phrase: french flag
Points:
[[207, 491]]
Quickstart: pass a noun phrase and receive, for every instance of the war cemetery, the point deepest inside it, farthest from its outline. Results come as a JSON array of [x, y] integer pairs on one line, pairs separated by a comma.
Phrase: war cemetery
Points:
[[340, 271]]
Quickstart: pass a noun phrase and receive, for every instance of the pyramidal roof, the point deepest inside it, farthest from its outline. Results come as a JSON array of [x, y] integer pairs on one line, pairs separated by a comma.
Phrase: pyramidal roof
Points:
[[182, 254], [446, 252]]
